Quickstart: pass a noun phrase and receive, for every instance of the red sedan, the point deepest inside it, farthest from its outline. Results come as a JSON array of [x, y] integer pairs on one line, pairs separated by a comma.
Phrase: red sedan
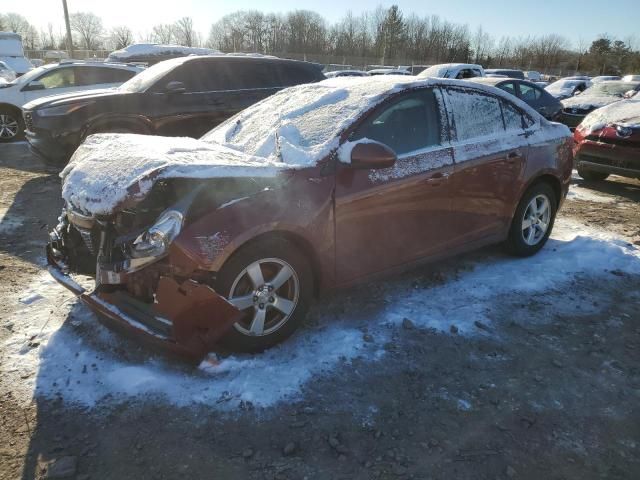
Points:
[[608, 142], [229, 238]]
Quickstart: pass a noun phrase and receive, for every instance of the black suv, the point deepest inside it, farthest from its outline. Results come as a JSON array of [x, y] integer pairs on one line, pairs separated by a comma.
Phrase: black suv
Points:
[[185, 96]]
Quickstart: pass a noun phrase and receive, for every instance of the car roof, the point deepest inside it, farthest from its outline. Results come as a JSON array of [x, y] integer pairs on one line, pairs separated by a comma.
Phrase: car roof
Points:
[[496, 80], [245, 57]]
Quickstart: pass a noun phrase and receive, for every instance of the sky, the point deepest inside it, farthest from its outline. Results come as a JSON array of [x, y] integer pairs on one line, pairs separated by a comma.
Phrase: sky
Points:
[[577, 21]]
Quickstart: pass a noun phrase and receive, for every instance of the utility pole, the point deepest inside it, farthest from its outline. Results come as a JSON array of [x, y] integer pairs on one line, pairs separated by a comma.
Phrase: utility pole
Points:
[[66, 21]]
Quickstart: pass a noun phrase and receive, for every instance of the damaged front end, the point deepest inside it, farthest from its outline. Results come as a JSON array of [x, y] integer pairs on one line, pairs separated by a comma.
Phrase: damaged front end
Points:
[[143, 283]]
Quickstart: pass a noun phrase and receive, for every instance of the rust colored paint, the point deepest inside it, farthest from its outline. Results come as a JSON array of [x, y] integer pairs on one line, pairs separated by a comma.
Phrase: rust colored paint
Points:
[[199, 315]]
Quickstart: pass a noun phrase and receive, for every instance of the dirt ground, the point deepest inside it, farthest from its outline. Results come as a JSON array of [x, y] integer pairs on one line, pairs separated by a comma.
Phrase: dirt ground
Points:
[[547, 388]]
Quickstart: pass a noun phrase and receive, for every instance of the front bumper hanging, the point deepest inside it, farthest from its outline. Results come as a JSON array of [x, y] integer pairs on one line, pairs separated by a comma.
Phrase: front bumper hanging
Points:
[[186, 319]]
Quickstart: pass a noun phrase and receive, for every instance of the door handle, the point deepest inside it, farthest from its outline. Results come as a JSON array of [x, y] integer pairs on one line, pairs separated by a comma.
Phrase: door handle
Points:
[[436, 179]]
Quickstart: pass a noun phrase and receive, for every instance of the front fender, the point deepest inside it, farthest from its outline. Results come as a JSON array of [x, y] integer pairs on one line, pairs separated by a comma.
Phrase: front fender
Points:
[[303, 209]]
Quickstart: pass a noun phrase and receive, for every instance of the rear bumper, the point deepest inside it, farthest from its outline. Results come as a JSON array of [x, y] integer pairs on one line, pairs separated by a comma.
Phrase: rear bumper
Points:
[[181, 323]]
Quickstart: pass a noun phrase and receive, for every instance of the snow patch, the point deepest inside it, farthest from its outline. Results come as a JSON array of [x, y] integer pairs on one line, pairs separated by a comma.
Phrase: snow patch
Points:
[[56, 347], [577, 192], [8, 223]]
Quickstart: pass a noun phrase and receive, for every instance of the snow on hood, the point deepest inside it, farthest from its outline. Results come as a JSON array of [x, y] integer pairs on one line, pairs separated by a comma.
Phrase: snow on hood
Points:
[[585, 102], [624, 112], [109, 169]]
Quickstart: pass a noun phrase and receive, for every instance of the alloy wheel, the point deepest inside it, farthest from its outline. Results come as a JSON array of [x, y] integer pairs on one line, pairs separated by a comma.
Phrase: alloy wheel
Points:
[[8, 126], [535, 221], [267, 291]]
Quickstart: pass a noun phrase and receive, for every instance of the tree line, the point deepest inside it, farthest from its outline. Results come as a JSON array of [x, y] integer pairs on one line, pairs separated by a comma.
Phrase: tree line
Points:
[[386, 35]]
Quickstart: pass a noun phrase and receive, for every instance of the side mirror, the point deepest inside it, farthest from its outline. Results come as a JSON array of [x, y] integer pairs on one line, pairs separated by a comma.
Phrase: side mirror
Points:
[[33, 86], [372, 155], [175, 87]]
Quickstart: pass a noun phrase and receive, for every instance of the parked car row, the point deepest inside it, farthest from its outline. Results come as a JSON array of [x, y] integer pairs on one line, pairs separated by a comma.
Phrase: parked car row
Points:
[[185, 96], [55, 79]]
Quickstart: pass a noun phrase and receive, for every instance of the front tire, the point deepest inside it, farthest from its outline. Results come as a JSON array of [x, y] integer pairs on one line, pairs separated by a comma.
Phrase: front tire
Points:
[[533, 220], [591, 176], [11, 125], [271, 281]]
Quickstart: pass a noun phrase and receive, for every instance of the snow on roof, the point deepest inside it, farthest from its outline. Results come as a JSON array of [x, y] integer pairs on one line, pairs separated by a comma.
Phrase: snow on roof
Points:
[[151, 49], [301, 125], [107, 168], [625, 112]]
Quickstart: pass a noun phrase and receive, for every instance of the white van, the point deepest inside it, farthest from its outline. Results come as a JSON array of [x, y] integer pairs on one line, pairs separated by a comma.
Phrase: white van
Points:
[[12, 53]]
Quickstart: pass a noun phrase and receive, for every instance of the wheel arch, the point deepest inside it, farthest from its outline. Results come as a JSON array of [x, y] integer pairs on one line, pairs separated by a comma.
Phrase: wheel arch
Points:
[[552, 181], [13, 108], [138, 124], [305, 247]]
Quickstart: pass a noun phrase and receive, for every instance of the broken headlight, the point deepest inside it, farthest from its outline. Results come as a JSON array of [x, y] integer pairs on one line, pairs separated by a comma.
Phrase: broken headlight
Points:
[[155, 241]]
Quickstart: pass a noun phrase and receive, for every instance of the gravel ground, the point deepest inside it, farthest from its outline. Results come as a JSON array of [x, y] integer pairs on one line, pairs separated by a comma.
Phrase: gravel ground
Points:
[[441, 373]]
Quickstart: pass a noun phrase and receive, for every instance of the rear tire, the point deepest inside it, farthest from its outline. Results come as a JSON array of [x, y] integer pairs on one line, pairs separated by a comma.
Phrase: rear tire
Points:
[[272, 282], [591, 176], [533, 220], [11, 125]]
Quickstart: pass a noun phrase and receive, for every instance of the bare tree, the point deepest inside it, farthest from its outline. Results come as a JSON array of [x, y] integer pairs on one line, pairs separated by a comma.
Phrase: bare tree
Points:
[[184, 32], [16, 23], [121, 37], [89, 28], [481, 44], [163, 33]]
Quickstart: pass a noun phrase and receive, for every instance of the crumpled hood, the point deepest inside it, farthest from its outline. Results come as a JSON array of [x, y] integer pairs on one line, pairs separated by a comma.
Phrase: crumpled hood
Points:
[[591, 101], [113, 171]]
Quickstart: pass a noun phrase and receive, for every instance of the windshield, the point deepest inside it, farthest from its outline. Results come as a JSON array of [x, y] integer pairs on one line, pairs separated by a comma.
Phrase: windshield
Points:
[[616, 89], [565, 84], [30, 75], [301, 124], [147, 78]]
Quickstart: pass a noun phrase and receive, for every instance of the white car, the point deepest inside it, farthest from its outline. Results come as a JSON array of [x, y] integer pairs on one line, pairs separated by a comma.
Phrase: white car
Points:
[[7, 73], [631, 78], [453, 70], [54, 79]]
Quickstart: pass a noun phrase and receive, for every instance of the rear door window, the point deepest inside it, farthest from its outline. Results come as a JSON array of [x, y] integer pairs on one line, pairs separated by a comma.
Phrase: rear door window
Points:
[[529, 94], [513, 117], [98, 75], [474, 114], [508, 87], [408, 124], [255, 74]]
